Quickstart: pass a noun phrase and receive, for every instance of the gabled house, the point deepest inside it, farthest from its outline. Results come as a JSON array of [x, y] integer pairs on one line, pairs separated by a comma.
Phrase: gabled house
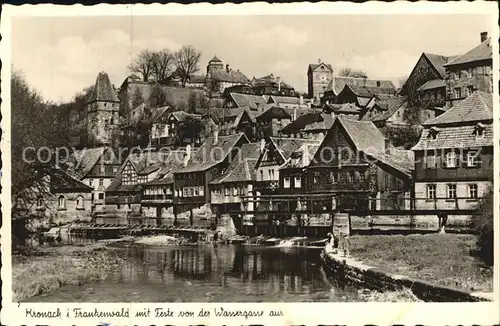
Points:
[[361, 96], [96, 167], [157, 199], [272, 121], [236, 120], [346, 109], [137, 124], [389, 112], [425, 84], [470, 72], [191, 183], [338, 83], [57, 197], [238, 180], [165, 130], [356, 162], [454, 156], [123, 195], [220, 79]]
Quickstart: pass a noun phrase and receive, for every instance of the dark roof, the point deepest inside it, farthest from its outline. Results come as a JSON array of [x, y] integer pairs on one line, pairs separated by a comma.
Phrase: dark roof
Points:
[[200, 79], [143, 112], [431, 84], [286, 146], [302, 157], [274, 112], [390, 106], [368, 139], [251, 101], [81, 162], [348, 108], [232, 76], [242, 168], [313, 66], [172, 162], [269, 80], [453, 136], [60, 181], [308, 122], [476, 107], [338, 83], [215, 59], [103, 90], [438, 61], [284, 99], [182, 115], [206, 157], [483, 51]]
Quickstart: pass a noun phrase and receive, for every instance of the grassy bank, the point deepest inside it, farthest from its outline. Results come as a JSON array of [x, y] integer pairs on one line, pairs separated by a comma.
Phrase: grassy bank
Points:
[[50, 268], [443, 259]]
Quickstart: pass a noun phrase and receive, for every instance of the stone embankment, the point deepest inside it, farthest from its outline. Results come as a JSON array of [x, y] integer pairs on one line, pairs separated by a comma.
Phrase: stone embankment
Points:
[[350, 270]]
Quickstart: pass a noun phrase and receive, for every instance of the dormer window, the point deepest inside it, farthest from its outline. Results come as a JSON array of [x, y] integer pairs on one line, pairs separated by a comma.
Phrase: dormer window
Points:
[[433, 133], [479, 130]]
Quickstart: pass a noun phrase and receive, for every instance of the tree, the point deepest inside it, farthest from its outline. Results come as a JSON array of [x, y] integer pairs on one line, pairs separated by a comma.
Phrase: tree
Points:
[[158, 98], [189, 130], [143, 65], [187, 59], [349, 72], [137, 98], [482, 225], [163, 65], [192, 102]]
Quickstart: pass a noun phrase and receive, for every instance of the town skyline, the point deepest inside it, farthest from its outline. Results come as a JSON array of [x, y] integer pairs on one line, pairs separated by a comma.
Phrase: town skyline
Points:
[[282, 45]]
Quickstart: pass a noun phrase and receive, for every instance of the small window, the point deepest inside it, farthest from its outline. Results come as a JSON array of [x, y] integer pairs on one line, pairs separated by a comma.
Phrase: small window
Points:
[[101, 182], [298, 182], [470, 90], [474, 159], [115, 169], [201, 191], [458, 92], [349, 177], [451, 160], [185, 192], [451, 191], [102, 168], [91, 182], [190, 192], [431, 191], [227, 192], [430, 161], [61, 202], [196, 191], [332, 177], [235, 191], [101, 195], [79, 202], [469, 73], [286, 182], [472, 190]]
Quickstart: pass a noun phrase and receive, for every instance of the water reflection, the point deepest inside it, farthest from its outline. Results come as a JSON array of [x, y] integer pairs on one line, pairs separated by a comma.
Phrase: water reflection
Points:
[[242, 271]]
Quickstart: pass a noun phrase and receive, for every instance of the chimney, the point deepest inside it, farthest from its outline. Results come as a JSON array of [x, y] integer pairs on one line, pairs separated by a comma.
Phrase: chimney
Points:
[[319, 60], [294, 116], [387, 146], [216, 136], [262, 144], [227, 68], [188, 155], [484, 36], [279, 83]]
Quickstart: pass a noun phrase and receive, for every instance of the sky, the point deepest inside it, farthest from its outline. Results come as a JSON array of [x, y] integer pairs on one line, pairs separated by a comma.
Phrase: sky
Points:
[[59, 56]]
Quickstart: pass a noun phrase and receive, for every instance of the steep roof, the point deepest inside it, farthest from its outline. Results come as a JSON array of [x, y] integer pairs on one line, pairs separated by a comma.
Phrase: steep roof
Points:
[[242, 168], [476, 107], [215, 59], [302, 157], [432, 84], [60, 181], [183, 115], [349, 108], [81, 162], [370, 140], [252, 101], [313, 66], [103, 90], [308, 122], [274, 112], [210, 153], [172, 162], [453, 136], [143, 112], [483, 51], [438, 61], [338, 83], [232, 76], [286, 146], [390, 106], [284, 99]]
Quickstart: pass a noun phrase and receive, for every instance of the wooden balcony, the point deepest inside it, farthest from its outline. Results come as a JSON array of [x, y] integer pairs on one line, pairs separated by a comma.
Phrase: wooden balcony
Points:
[[267, 184]]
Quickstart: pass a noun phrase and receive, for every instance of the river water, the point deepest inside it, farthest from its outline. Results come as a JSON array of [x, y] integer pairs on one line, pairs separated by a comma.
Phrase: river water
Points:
[[211, 273]]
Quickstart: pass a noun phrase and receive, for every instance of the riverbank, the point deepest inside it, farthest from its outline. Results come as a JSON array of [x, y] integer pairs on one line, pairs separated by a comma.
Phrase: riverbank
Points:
[[49, 268]]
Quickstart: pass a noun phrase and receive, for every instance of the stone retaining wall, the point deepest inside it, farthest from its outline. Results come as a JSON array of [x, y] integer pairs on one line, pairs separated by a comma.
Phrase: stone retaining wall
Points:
[[349, 270]]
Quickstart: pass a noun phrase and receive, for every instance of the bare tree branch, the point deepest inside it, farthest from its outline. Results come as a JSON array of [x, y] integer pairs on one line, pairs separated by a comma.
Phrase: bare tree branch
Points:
[[349, 72], [143, 65], [187, 59], [163, 65]]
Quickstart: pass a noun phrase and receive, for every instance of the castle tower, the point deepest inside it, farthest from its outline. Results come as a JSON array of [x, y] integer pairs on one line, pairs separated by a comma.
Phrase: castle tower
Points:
[[318, 77], [214, 64], [102, 112]]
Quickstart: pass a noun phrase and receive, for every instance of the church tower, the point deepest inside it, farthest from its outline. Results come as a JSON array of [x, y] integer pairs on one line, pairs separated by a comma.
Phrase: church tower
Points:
[[102, 112]]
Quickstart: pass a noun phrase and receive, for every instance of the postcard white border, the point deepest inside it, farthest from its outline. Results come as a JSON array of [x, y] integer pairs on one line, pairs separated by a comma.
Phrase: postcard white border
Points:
[[295, 313]]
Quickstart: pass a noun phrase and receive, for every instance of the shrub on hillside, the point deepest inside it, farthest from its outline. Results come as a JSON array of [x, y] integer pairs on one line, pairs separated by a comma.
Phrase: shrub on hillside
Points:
[[482, 224]]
